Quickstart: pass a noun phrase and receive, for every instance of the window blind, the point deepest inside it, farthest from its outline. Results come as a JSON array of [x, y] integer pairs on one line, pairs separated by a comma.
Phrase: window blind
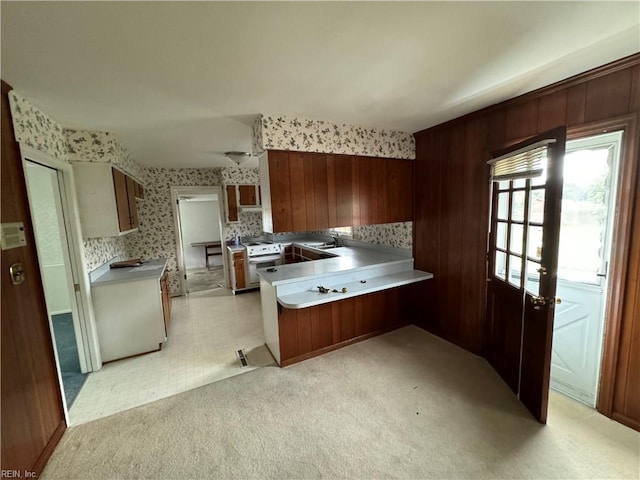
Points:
[[523, 163]]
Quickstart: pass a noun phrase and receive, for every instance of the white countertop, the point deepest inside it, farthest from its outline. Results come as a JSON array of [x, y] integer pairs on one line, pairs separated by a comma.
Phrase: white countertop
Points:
[[348, 259], [151, 269], [314, 297]]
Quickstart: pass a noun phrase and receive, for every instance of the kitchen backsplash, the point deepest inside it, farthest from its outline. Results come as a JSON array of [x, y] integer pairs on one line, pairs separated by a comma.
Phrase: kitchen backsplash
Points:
[[399, 235], [36, 129], [281, 132], [98, 251]]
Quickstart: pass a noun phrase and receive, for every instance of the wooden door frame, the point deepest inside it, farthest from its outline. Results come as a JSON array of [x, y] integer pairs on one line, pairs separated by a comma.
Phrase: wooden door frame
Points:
[[195, 190], [620, 246]]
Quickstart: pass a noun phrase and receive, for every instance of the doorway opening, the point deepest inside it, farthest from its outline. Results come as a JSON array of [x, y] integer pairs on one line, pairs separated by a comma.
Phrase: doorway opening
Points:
[[590, 179], [45, 186], [198, 213]]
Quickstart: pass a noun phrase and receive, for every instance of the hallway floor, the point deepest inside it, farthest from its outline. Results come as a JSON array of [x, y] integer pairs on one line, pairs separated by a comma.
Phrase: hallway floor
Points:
[[199, 279], [206, 330]]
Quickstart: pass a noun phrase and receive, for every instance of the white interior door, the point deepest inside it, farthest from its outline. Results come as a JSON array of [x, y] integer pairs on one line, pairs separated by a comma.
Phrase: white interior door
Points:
[[588, 206]]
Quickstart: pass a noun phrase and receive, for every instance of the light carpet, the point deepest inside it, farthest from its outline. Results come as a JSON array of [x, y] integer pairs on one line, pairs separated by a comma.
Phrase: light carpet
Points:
[[403, 405]]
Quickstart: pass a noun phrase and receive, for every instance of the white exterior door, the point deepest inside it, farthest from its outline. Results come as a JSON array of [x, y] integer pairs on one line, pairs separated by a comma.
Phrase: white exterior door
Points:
[[588, 205]]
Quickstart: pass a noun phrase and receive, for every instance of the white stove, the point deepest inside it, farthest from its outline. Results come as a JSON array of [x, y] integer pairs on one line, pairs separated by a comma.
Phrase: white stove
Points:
[[262, 254]]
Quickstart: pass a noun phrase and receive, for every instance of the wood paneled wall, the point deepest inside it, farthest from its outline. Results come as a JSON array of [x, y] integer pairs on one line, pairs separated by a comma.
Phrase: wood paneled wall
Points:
[[451, 213]]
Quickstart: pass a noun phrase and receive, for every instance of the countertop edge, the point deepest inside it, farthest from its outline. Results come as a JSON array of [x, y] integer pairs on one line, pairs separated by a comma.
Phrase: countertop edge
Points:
[[155, 274], [383, 282]]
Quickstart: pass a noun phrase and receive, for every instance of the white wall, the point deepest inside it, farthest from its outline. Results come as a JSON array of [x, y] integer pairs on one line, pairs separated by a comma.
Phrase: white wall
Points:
[[200, 223], [46, 219]]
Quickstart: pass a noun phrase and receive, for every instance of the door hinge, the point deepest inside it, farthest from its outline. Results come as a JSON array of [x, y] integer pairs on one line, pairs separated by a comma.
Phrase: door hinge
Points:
[[185, 276], [76, 287]]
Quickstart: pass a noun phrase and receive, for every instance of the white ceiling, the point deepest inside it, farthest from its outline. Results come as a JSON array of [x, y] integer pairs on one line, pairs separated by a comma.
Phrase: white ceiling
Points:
[[178, 82]]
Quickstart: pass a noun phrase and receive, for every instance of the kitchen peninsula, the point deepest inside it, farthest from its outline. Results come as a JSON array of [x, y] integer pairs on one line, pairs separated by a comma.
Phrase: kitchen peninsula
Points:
[[314, 307]]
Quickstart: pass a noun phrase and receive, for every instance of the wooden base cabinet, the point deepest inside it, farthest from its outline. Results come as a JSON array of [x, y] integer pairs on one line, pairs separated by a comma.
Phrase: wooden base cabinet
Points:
[[165, 290], [312, 331]]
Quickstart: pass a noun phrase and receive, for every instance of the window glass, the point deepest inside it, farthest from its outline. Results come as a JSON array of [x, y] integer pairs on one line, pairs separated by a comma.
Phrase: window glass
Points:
[[501, 235], [534, 245], [536, 206], [501, 264], [515, 244], [519, 183], [515, 270], [503, 205], [517, 206], [532, 280]]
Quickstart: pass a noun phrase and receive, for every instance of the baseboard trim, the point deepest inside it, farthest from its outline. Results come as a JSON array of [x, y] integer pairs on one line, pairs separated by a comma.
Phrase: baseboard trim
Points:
[[49, 448]]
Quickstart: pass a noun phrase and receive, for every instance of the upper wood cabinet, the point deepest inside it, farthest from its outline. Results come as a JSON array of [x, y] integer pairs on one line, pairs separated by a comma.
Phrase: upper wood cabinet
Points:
[[106, 199], [310, 191], [239, 197]]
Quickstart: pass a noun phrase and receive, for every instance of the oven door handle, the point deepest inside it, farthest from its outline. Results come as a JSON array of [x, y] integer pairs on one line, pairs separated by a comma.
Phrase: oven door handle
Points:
[[264, 258]]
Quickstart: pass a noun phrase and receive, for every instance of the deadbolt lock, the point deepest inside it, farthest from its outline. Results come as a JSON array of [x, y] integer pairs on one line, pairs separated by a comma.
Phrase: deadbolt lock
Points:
[[17, 273]]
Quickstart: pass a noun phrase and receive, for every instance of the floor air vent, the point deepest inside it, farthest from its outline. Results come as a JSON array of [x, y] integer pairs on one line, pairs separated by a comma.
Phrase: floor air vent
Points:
[[242, 357]]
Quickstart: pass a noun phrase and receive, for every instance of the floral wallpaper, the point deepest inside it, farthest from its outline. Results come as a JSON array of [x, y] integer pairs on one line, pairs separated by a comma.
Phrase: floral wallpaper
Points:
[[98, 251], [36, 129], [256, 136], [399, 235], [250, 225], [86, 146], [237, 175], [279, 132]]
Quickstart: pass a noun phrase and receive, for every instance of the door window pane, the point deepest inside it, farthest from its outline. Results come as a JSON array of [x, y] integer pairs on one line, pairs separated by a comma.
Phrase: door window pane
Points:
[[515, 245], [503, 205], [536, 206], [534, 242], [503, 185], [517, 206], [540, 180], [515, 270], [520, 183], [501, 235], [532, 280], [501, 264]]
